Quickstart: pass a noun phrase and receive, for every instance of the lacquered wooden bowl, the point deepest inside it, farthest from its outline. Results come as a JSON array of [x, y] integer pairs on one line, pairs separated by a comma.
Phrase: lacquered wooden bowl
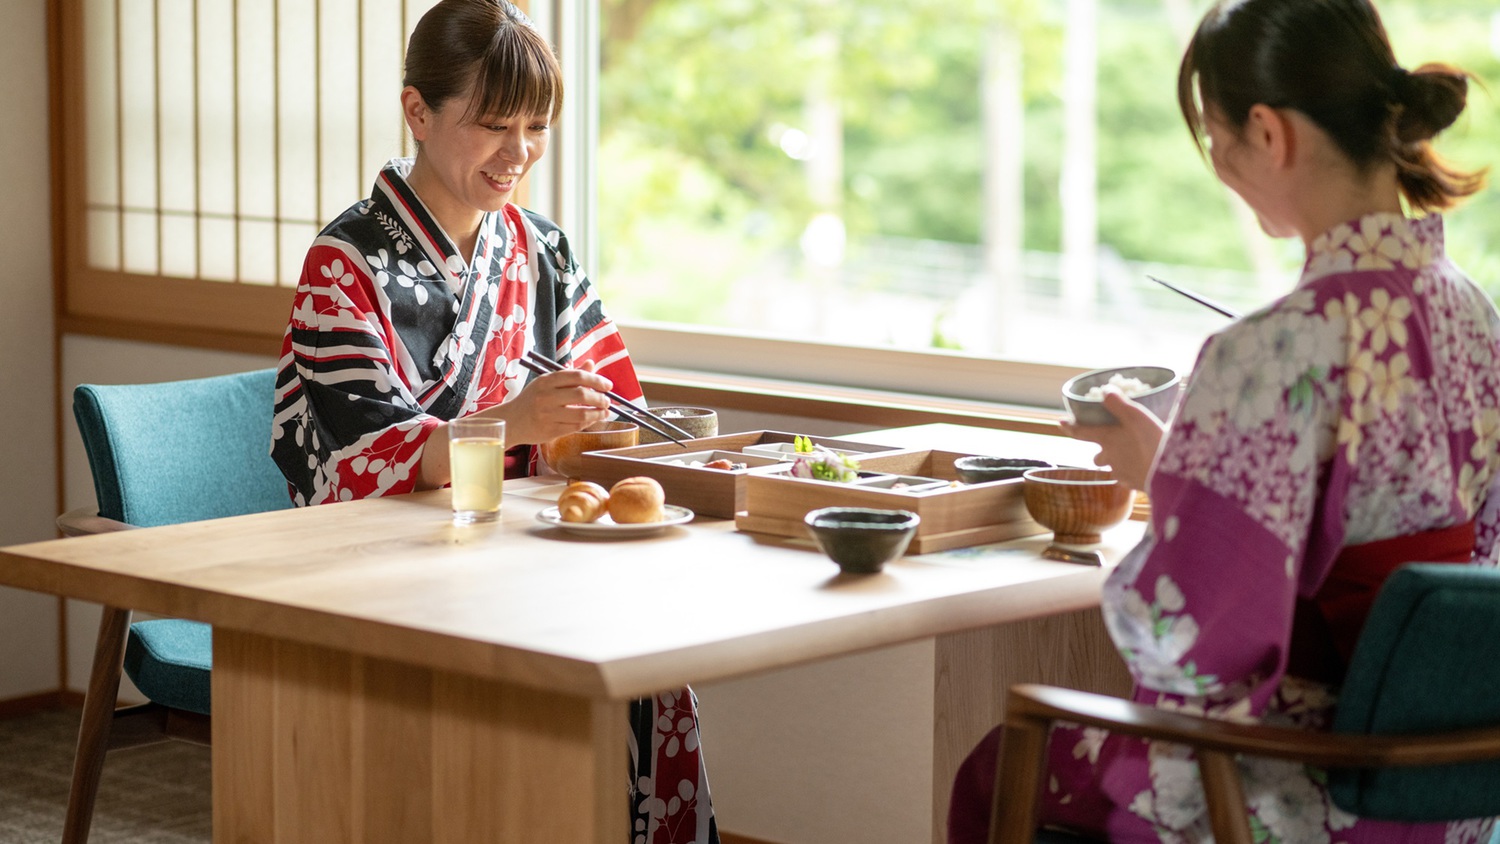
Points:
[[1077, 505], [565, 454]]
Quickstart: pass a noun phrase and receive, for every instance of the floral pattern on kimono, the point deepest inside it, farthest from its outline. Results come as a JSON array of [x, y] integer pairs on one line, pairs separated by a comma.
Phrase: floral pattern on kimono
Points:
[[1362, 406], [391, 332]]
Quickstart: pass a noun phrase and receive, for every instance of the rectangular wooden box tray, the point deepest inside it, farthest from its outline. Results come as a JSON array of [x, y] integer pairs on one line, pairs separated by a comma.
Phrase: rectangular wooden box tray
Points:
[[718, 493], [952, 517]]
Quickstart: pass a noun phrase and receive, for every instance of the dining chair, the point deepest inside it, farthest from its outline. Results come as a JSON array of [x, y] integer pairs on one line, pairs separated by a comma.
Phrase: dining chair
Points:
[[162, 454], [1416, 735]]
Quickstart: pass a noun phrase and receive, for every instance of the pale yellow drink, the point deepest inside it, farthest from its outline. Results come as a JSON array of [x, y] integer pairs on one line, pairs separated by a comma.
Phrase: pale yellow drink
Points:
[[476, 455]]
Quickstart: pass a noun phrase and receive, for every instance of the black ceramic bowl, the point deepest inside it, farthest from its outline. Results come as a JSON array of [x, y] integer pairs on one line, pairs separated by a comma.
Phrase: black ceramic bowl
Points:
[[860, 539], [978, 470]]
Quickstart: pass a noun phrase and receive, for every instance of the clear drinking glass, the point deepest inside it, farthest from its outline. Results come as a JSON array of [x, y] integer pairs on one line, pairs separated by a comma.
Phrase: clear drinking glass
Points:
[[476, 455]]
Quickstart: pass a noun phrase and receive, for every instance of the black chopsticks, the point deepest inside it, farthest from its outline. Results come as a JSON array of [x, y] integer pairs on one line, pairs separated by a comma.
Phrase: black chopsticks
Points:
[[541, 365], [1207, 303]]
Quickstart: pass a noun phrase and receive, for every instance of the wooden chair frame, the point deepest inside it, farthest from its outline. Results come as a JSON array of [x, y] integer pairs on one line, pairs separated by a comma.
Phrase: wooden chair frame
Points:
[[104, 727], [1031, 710]]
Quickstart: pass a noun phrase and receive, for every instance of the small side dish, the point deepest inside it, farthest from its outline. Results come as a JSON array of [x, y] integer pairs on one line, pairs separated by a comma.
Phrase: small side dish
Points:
[[608, 529], [861, 539], [728, 461], [979, 469], [824, 465]]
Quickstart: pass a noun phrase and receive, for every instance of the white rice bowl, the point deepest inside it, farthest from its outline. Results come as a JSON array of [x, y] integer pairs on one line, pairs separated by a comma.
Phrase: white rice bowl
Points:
[[1152, 386]]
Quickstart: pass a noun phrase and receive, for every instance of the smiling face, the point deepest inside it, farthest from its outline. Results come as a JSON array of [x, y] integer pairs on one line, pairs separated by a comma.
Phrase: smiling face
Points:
[[466, 167]]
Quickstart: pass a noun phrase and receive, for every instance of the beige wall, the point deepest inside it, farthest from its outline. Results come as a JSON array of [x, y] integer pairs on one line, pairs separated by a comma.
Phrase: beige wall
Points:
[[28, 622]]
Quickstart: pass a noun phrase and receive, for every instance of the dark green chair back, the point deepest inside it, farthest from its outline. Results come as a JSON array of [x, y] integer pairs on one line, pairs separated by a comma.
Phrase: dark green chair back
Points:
[[1428, 661], [182, 451]]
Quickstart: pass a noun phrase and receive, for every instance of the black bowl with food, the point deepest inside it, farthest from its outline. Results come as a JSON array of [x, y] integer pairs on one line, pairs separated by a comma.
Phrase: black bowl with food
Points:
[[979, 469]]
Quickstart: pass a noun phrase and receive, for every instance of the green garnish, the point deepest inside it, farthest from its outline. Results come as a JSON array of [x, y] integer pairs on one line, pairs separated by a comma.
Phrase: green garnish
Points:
[[802, 445], [827, 466]]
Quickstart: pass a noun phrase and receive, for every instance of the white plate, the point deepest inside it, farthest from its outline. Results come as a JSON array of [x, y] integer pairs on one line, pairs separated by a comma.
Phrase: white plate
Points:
[[606, 527]]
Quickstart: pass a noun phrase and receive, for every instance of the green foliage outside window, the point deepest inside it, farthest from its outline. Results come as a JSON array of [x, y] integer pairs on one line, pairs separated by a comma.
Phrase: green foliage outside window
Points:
[[698, 180]]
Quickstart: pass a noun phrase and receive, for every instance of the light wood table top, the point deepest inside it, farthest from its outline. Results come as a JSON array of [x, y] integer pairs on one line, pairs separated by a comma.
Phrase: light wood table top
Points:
[[522, 602]]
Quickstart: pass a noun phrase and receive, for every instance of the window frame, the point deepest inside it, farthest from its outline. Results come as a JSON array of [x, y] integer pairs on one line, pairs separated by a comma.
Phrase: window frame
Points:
[[251, 318]]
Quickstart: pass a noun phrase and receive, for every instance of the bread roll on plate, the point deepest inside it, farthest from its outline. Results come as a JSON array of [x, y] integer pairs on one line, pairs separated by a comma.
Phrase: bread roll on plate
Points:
[[582, 501], [636, 500]]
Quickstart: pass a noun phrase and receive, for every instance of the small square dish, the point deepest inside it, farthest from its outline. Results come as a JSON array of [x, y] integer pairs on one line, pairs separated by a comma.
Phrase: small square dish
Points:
[[903, 483], [714, 459], [788, 451]]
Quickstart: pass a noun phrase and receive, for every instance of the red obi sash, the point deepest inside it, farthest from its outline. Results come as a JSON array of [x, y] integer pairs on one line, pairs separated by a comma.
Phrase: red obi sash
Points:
[[1326, 626], [518, 462]]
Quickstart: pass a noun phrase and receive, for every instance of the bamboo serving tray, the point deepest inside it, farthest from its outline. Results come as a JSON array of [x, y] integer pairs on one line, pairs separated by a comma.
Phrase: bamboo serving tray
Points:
[[718, 493], [953, 516]]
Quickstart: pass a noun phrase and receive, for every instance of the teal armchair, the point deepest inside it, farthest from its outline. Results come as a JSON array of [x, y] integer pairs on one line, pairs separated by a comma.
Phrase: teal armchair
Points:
[[1416, 736], [162, 454]]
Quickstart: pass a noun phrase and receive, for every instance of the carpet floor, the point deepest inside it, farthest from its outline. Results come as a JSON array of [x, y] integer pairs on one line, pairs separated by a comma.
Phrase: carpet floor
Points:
[[159, 794]]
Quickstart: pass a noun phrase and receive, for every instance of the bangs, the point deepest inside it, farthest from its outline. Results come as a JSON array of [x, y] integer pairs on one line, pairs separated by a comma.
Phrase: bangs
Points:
[[1189, 99], [519, 75], [1197, 80]]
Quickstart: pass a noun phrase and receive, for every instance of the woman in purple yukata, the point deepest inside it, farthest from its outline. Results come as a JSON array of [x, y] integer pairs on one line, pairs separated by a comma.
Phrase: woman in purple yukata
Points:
[[416, 306], [1345, 429]]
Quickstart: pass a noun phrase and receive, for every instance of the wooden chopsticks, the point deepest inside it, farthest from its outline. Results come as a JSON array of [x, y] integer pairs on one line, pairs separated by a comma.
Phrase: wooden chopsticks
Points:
[[541, 365]]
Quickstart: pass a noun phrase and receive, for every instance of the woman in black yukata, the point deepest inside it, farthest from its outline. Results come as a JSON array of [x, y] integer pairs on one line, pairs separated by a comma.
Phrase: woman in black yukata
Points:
[[417, 305]]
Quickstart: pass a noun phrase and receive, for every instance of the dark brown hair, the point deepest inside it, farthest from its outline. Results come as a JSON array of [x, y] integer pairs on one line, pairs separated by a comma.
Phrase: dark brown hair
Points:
[[1330, 60], [491, 45]]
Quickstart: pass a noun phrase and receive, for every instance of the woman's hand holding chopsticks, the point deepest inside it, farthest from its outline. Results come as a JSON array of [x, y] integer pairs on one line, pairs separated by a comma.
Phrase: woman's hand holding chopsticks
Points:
[[627, 409], [553, 404]]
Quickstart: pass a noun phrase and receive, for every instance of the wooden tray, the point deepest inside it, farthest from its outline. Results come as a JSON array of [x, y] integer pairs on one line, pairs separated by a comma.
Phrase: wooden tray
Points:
[[952, 517], [718, 493]]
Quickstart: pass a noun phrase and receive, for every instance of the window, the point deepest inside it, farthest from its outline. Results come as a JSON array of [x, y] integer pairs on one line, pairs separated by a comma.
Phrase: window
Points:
[[971, 179], [953, 197], [206, 143]]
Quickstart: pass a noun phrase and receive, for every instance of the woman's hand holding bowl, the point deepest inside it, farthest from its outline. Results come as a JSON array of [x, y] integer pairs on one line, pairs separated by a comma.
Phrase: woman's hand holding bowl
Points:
[[1129, 448]]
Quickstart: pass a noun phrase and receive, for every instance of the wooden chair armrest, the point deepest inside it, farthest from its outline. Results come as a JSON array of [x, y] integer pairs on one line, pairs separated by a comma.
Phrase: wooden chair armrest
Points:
[[86, 521], [1032, 703]]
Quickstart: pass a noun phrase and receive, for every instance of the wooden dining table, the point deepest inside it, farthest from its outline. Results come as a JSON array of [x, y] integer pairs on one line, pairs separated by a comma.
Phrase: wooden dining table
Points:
[[383, 675]]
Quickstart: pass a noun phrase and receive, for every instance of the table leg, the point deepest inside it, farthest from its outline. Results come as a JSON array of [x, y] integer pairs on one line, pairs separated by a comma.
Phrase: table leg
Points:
[[313, 744], [974, 669]]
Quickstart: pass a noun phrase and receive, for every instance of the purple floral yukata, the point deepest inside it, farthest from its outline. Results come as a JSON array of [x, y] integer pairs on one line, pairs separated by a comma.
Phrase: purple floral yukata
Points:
[[1364, 405]]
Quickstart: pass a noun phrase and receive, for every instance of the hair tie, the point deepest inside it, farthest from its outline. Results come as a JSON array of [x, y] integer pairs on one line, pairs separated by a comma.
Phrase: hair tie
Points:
[[514, 13]]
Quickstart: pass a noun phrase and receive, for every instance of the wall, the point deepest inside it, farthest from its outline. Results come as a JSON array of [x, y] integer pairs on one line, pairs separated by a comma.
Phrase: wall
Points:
[[28, 494]]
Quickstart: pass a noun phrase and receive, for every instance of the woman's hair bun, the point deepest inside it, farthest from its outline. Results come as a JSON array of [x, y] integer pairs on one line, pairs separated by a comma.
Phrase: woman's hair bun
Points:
[[1430, 98]]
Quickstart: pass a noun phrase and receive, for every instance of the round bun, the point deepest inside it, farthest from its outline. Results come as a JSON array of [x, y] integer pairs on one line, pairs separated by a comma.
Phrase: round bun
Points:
[[635, 500], [582, 501]]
